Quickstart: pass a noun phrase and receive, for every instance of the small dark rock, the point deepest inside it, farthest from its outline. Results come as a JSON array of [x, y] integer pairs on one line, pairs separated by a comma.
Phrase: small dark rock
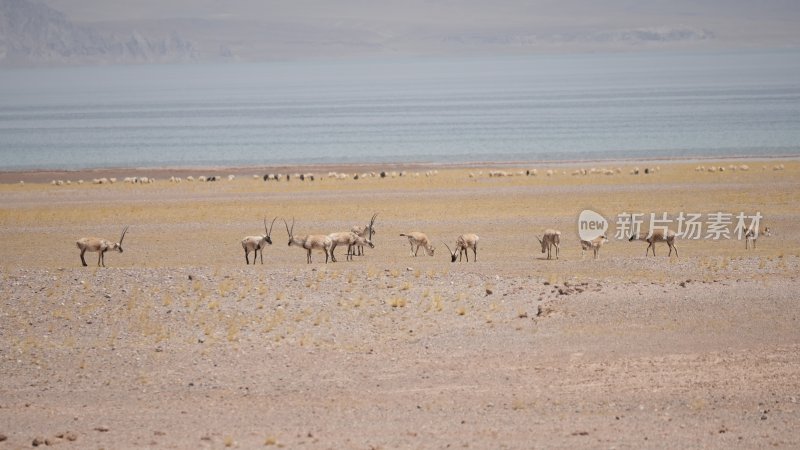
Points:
[[488, 292], [68, 435], [3, 437], [191, 278], [38, 441]]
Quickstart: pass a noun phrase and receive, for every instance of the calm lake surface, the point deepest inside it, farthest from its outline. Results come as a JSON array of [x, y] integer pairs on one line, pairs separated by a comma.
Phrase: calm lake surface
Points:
[[532, 108]]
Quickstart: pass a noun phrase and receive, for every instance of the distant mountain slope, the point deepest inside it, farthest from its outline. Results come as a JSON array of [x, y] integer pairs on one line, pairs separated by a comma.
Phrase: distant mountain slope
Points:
[[32, 33]]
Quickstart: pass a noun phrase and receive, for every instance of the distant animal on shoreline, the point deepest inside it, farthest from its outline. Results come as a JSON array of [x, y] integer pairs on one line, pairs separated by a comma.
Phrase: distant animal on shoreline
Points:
[[99, 245]]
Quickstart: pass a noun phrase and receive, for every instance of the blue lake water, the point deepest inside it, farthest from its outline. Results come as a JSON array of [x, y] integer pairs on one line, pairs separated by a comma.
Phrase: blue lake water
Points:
[[532, 108]]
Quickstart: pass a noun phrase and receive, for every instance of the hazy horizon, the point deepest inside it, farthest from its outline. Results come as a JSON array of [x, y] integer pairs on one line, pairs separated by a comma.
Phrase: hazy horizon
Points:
[[97, 32]]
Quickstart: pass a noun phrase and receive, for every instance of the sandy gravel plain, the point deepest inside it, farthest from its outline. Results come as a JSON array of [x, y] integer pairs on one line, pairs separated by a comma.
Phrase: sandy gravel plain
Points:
[[178, 344]]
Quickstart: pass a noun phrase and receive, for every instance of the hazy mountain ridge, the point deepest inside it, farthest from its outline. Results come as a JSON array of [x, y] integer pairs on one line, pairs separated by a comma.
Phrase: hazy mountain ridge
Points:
[[168, 31], [33, 34], [634, 36]]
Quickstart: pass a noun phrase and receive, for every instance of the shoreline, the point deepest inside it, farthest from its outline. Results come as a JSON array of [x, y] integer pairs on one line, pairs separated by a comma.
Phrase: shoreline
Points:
[[47, 175]]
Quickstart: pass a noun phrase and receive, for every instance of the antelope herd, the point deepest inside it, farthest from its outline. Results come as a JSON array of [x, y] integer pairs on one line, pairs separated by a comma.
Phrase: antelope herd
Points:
[[360, 236]]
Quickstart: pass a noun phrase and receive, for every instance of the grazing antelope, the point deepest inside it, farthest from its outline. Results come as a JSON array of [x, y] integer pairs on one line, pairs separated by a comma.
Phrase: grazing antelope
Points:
[[657, 236], [93, 244], [552, 238], [415, 238], [310, 242], [256, 244], [363, 231], [752, 235], [464, 242], [593, 244]]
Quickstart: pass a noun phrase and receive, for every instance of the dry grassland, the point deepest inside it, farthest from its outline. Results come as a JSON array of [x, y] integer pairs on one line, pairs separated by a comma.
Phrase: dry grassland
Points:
[[177, 344]]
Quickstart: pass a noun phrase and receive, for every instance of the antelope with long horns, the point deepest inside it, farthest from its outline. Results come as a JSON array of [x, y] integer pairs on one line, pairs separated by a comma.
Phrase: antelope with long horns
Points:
[[256, 244], [551, 238], [99, 245], [464, 242], [417, 240], [352, 239], [363, 231], [309, 242]]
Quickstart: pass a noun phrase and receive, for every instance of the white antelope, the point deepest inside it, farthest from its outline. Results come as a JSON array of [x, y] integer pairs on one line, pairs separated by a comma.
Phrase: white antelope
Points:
[[310, 242], [101, 246], [752, 235], [657, 236], [464, 242], [256, 244], [593, 244], [552, 238], [364, 231], [417, 240]]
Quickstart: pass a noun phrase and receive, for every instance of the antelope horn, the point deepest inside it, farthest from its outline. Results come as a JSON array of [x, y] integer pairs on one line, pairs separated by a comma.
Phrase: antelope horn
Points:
[[124, 230], [265, 226], [538, 239], [371, 222], [287, 227], [448, 247], [270, 225]]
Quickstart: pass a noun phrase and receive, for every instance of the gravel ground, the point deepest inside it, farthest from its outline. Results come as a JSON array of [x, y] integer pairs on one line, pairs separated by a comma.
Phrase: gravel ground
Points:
[[179, 346]]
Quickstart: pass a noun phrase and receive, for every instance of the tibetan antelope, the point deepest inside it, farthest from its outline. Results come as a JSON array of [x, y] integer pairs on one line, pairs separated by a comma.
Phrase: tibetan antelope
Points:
[[350, 239], [656, 236], [256, 244], [464, 242], [363, 231], [552, 238], [752, 235], [309, 242], [101, 246], [593, 244], [417, 240]]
